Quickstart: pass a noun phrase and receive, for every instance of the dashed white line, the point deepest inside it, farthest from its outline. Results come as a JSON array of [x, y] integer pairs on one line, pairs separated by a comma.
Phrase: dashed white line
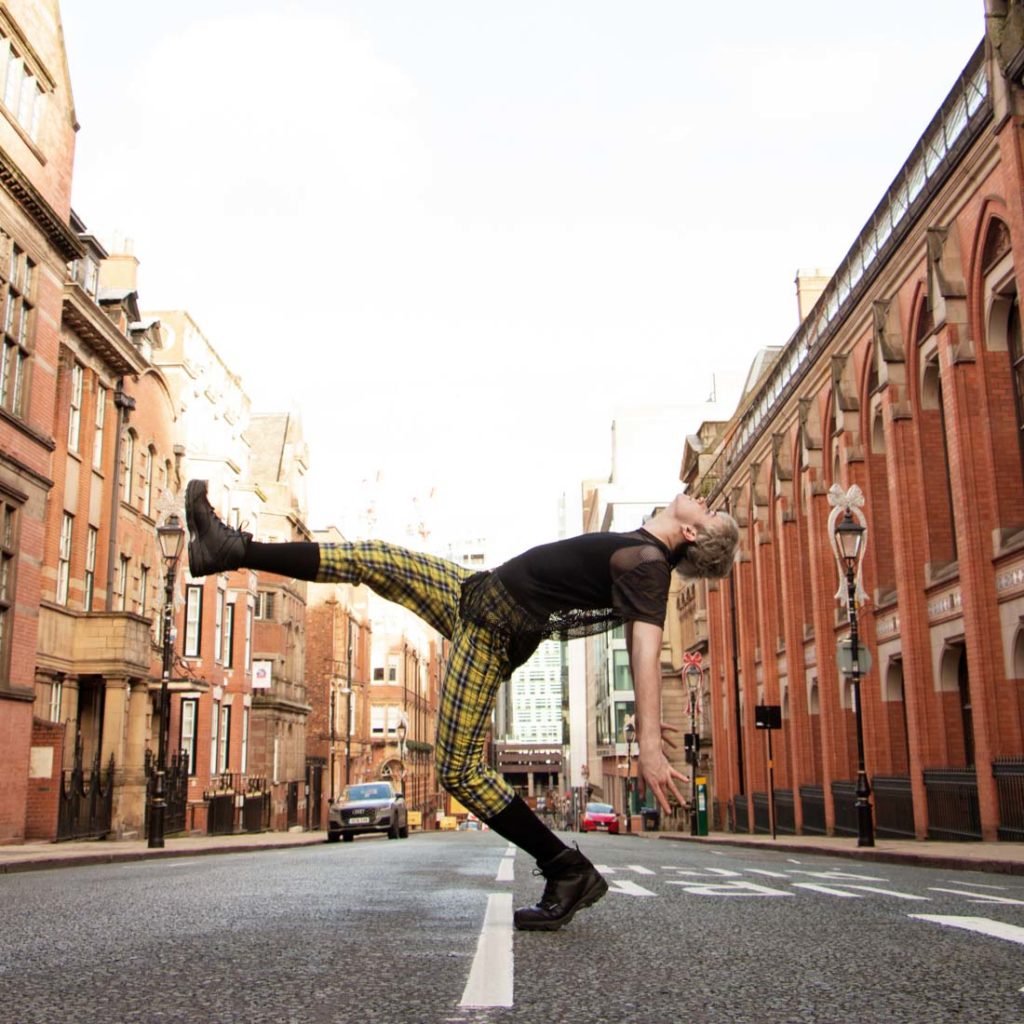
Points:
[[506, 870], [725, 872], [979, 897], [639, 869], [767, 874], [511, 851], [624, 887], [995, 929], [814, 887], [889, 892], [490, 977]]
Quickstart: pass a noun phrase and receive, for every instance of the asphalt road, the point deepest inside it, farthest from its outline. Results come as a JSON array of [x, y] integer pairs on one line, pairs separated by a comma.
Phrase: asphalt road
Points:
[[418, 931]]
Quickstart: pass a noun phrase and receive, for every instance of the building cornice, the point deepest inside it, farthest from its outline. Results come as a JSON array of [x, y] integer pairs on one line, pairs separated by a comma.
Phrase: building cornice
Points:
[[57, 231], [81, 315]]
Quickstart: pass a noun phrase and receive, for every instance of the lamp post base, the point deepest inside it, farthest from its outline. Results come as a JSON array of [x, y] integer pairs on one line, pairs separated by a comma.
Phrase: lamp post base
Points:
[[865, 825]]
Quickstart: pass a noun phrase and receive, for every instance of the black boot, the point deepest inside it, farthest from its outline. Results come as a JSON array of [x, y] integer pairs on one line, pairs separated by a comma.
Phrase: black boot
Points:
[[212, 547], [573, 883]]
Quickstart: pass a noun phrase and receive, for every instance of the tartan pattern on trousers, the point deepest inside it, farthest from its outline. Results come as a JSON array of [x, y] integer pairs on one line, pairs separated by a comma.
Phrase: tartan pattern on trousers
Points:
[[431, 587]]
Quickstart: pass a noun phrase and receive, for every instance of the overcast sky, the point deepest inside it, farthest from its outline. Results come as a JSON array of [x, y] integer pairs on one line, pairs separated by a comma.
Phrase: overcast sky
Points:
[[458, 236]]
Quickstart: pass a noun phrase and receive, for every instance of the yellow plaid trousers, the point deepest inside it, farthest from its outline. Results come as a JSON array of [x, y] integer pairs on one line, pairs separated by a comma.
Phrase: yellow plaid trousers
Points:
[[477, 663]]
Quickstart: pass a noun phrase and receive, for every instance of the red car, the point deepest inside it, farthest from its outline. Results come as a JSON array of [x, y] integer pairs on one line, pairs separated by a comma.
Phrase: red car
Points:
[[600, 818]]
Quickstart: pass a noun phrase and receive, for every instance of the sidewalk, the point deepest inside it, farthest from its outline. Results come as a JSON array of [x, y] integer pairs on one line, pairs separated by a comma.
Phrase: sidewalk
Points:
[[38, 856], [1001, 858]]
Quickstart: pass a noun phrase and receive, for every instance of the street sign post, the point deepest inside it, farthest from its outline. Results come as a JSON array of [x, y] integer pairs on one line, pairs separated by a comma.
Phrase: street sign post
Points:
[[769, 718]]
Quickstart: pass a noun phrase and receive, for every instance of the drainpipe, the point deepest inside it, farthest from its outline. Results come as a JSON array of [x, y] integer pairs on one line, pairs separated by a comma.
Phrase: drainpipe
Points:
[[124, 405]]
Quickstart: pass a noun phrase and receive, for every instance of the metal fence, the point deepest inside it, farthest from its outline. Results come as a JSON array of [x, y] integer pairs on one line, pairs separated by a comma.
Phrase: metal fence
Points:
[[740, 815], [785, 812], [86, 800], [237, 802], [812, 804], [762, 813], [1009, 776], [844, 807], [953, 811], [894, 807]]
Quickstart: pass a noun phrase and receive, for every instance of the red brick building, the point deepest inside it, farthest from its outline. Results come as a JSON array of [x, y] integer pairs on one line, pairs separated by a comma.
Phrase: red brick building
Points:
[[907, 380], [37, 141]]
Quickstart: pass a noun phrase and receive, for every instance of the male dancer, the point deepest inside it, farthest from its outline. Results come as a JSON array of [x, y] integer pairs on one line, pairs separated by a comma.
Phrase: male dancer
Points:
[[495, 620]]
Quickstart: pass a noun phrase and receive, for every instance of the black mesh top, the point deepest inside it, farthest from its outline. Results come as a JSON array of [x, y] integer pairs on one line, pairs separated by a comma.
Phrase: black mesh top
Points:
[[572, 588]]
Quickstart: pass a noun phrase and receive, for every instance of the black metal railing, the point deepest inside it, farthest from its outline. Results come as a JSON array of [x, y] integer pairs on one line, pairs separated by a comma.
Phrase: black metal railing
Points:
[[740, 814], [762, 813], [812, 805], [1009, 776], [844, 807], [785, 812], [86, 799], [236, 801], [953, 811], [894, 807]]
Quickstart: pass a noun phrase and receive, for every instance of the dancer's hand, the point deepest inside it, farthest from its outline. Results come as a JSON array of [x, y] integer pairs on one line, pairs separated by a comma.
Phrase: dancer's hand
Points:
[[660, 776]]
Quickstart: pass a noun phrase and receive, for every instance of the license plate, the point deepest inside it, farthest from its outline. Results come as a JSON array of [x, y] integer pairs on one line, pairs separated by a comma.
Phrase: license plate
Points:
[[602, 826], [359, 821]]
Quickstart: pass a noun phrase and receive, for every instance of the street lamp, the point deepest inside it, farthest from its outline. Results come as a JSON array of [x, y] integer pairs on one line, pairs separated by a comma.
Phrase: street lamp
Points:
[[171, 537], [630, 731], [849, 540], [693, 685], [402, 730]]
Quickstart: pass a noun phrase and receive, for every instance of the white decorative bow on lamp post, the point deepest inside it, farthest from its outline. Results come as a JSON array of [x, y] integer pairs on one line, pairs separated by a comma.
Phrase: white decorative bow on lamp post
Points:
[[843, 502]]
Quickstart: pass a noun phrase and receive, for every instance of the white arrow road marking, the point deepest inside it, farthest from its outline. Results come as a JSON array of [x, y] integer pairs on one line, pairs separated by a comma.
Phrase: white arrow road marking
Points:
[[980, 897], [888, 892], [826, 890], [996, 929], [626, 888], [490, 977], [639, 869], [729, 889], [506, 870], [767, 874]]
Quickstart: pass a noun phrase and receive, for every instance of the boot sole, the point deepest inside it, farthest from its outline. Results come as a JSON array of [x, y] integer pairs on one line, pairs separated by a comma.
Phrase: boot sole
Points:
[[590, 897], [195, 490]]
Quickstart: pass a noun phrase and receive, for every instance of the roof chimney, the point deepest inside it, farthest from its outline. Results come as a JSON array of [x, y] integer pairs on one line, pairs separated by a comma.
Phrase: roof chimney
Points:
[[809, 286]]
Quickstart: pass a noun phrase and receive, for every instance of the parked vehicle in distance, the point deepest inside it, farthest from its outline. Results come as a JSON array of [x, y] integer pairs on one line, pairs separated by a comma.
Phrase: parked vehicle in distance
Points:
[[600, 818], [368, 807]]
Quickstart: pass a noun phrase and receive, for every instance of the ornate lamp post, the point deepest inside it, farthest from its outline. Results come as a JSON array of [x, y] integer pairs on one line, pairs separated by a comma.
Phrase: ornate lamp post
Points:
[[849, 532], [402, 731], [171, 536], [630, 731], [693, 675]]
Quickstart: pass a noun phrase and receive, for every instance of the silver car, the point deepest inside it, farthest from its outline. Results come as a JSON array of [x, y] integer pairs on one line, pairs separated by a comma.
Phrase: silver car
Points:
[[368, 807]]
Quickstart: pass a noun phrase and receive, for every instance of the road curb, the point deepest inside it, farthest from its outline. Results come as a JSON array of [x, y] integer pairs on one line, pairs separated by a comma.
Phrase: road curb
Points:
[[127, 856], [928, 860]]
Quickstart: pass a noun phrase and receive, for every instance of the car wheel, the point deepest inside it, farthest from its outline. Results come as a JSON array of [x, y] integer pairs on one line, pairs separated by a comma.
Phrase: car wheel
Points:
[[393, 831], [403, 832], [347, 837], [333, 837]]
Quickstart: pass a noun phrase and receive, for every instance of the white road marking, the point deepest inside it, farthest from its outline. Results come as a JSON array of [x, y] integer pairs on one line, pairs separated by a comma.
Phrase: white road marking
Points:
[[725, 872], [826, 890], [888, 892], [506, 870], [980, 897], [686, 871], [839, 876], [604, 869], [793, 860], [639, 869], [511, 851], [624, 887], [767, 874], [996, 929], [490, 977], [729, 889], [976, 885]]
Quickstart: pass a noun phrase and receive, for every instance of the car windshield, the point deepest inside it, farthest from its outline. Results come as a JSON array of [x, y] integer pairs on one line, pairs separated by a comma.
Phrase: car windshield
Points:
[[599, 808], [378, 791]]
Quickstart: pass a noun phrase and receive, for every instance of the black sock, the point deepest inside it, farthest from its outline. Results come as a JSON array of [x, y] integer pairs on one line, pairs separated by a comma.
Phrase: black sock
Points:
[[519, 825], [298, 559]]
